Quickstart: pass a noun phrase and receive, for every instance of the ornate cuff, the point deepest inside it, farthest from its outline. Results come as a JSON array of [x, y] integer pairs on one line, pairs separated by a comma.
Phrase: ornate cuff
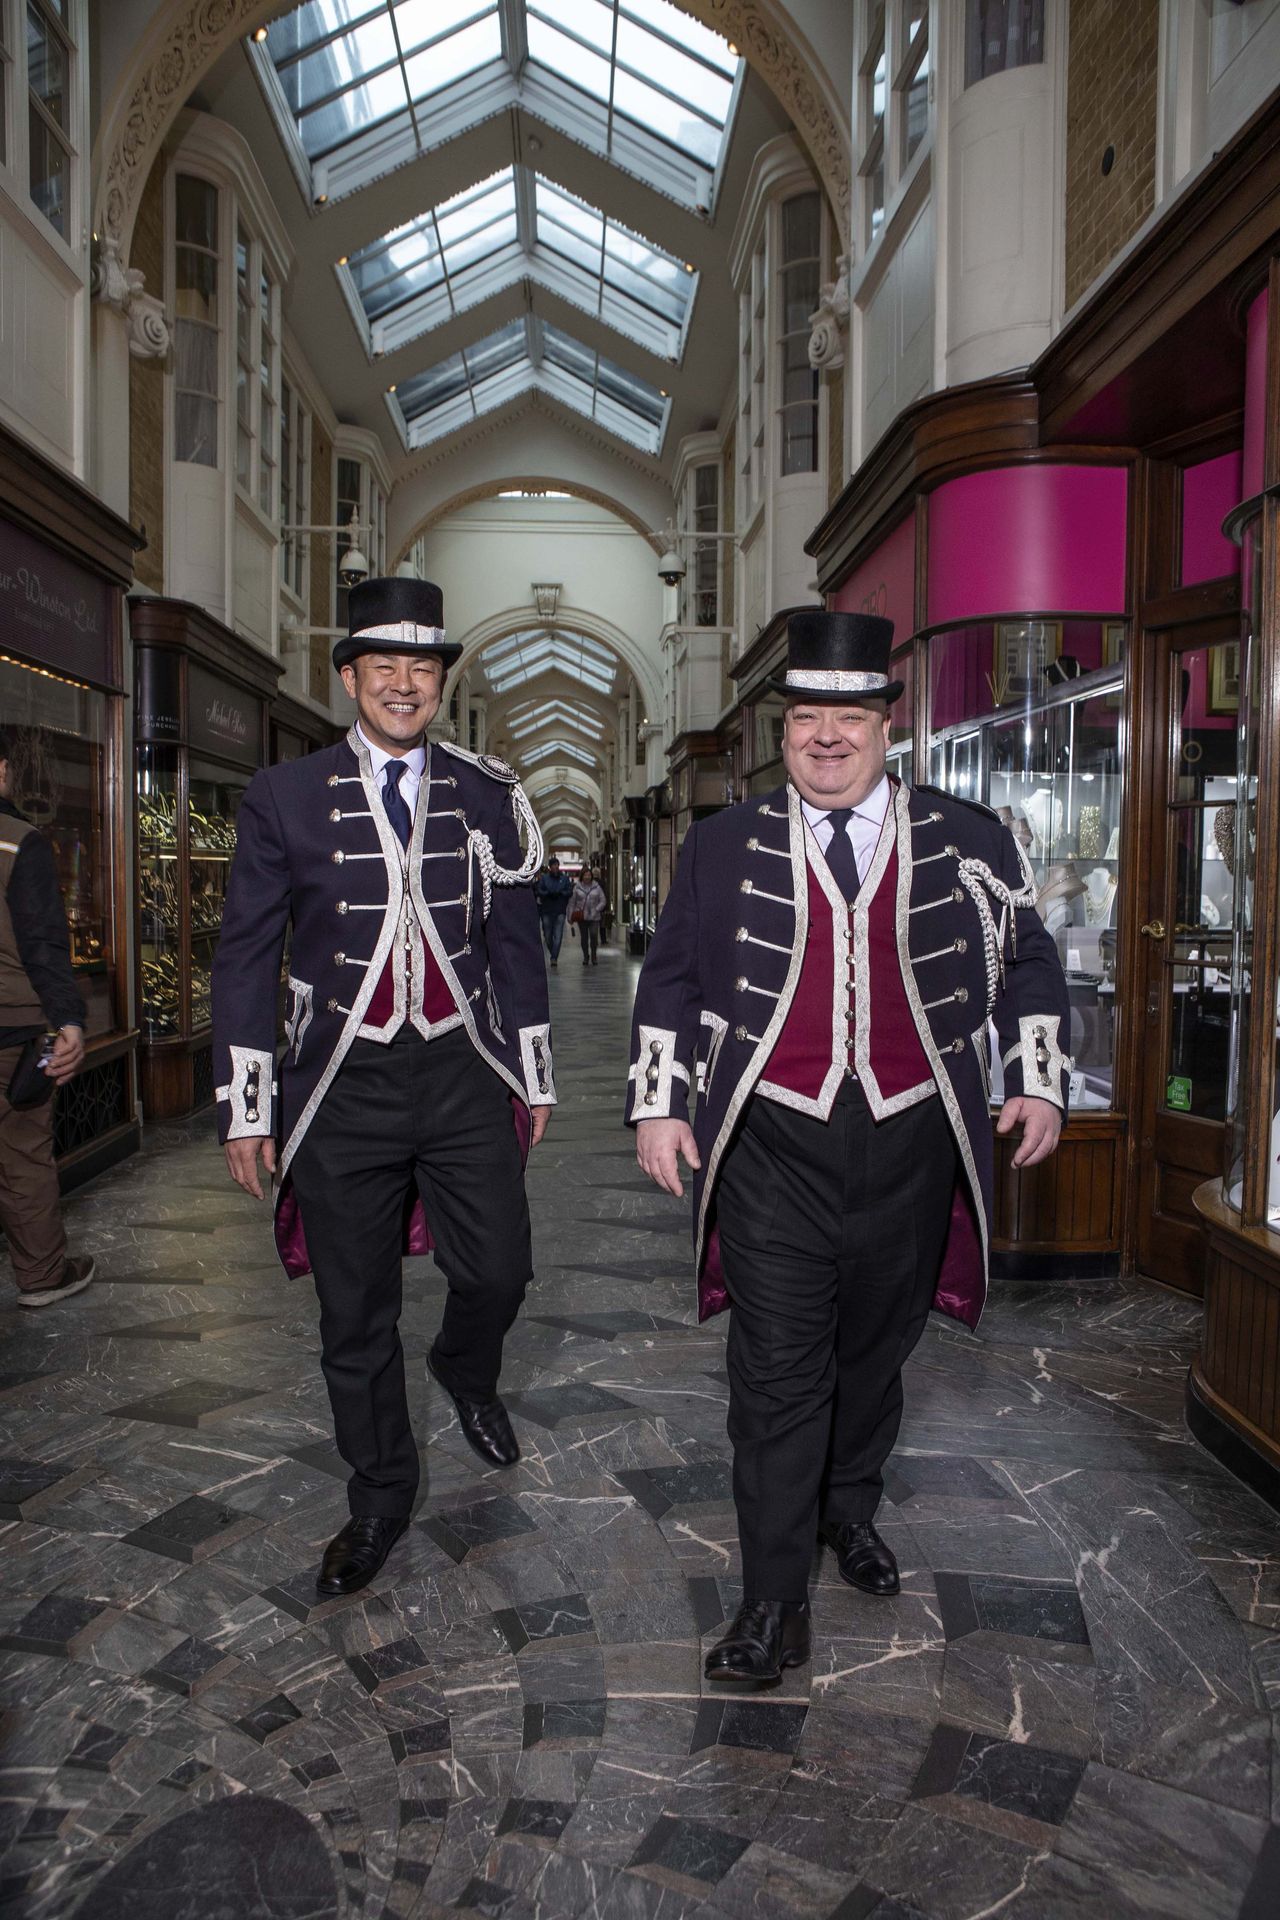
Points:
[[535, 1058], [1038, 1059], [654, 1073], [250, 1093]]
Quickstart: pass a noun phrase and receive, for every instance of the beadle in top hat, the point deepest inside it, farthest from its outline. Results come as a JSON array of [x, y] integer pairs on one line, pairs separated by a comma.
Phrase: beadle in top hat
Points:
[[395, 616], [836, 656]]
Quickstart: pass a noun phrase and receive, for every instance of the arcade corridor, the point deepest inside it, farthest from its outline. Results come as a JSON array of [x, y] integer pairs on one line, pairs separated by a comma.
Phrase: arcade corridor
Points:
[[1068, 1711]]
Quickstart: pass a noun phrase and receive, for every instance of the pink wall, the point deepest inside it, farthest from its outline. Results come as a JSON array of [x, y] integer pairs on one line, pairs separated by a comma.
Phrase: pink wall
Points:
[[1027, 539], [1209, 491], [1255, 396], [885, 583]]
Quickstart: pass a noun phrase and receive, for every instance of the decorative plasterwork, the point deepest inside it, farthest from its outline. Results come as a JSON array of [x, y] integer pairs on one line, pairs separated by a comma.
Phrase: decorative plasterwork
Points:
[[121, 288], [829, 322], [189, 36]]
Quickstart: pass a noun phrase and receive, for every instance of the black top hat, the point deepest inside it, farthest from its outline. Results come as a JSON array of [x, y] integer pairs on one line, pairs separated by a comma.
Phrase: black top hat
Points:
[[837, 656], [395, 616]]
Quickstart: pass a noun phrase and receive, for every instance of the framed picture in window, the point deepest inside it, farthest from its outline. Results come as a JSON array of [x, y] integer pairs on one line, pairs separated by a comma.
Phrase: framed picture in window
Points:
[[1224, 677], [1023, 650]]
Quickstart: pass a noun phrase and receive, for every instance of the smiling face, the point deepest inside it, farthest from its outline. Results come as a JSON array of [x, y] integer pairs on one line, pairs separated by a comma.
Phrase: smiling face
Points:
[[397, 696], [835, 753]]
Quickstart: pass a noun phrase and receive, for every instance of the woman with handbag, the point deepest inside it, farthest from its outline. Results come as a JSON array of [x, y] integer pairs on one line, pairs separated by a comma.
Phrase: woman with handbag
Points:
[[586, 910]]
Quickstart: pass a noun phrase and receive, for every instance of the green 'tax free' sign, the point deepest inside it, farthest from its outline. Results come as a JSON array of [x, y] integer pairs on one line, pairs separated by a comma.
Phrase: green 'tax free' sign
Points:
[[1177, 1093]]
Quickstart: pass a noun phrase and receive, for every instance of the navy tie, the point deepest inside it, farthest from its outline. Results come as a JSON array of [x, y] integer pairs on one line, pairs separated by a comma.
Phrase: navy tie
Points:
[[393, 800], [840, 855]]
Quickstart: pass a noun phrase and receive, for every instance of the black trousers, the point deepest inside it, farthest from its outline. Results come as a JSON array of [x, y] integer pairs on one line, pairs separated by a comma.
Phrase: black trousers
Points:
[[434, 1115], [831, 1235]]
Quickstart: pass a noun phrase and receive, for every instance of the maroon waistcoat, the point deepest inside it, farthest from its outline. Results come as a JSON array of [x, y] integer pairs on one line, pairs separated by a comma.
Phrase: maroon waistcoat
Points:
[[820, 1029], [437, 1001]]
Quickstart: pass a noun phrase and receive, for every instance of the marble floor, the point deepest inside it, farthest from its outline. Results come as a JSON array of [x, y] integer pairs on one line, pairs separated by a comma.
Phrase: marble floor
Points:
[[1070, 1710]]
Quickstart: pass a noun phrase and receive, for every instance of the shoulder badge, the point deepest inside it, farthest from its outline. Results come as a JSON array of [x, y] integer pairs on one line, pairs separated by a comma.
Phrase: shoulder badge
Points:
[[498, 768], [489, 763]]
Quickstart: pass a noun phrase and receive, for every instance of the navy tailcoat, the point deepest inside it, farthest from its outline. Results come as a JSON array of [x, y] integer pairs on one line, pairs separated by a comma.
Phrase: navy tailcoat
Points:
[[723, 967], [318, 861]]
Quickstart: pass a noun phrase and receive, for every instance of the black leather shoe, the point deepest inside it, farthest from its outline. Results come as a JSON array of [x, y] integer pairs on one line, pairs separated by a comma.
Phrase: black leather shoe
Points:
[[863, 1558], [766, 1636], [353, 1556], [484, 1425]]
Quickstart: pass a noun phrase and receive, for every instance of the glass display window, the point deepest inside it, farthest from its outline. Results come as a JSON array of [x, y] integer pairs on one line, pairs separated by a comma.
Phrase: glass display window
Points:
[[1026, 718], [58, 736], [901, 755]]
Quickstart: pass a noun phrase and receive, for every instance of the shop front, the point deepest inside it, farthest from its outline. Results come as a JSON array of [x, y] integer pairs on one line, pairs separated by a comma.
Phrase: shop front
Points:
[[201, 732], [64, 564], [1233, 1397], [297, 729]]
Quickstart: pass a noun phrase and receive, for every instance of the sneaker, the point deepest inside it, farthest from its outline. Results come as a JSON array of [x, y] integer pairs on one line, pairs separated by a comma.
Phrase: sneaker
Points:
[[76, 1276]]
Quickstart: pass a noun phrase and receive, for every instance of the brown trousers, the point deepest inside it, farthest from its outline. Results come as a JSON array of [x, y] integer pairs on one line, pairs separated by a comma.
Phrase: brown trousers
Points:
[[30, 1210]]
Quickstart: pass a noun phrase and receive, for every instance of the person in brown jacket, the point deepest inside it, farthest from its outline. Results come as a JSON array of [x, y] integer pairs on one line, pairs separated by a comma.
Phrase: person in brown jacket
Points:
[[38, 995]]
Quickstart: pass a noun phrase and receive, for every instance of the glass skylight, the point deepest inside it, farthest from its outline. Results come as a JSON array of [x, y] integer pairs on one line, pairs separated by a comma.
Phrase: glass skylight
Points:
[[557, 750], [521, 657], [512, 227], [529, 353], [360, 87], [534, 715]]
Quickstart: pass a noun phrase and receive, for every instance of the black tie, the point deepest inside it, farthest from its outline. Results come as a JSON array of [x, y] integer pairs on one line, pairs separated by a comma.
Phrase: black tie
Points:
[[394, 802], [840, 855]]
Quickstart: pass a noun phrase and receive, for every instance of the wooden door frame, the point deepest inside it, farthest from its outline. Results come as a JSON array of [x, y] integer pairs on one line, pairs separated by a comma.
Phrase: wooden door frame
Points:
[[1181, 620]]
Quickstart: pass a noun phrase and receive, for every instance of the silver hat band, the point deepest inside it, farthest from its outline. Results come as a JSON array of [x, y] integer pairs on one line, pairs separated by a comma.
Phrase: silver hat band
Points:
[[835, 680], [402, 633]]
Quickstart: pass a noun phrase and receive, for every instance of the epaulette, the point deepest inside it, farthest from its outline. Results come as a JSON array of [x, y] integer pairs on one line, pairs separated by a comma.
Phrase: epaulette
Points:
[[489, 763], [959, 800]]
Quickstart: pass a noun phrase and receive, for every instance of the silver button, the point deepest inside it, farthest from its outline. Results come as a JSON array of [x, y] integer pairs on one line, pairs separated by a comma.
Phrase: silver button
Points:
[[957, 894], [744, 886], [957, 1046], [961, 945], [651, 1100], [962, 994], [332, 1006], [339, 959], [954, 852], [332, 781], [741, 984], [340, 907], [742, 934], [335, 813], [752, 844], [740, 1033], [338, 857]]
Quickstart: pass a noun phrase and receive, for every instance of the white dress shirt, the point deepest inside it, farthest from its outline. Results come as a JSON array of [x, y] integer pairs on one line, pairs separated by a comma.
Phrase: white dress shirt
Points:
[[863, 829], [414, 763]]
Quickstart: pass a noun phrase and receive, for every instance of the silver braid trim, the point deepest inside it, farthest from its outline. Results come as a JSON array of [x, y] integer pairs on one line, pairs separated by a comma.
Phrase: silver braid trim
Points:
[[480, 849], [983, 886]]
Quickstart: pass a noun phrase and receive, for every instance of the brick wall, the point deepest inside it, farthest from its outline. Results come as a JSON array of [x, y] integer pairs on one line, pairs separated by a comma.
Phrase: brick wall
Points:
[[1111, 105], [321, 515], [146, 395]]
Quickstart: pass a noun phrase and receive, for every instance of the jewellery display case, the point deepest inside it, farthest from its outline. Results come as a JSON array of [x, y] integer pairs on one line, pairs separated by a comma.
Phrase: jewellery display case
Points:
[[1045, 753], [202, 719]]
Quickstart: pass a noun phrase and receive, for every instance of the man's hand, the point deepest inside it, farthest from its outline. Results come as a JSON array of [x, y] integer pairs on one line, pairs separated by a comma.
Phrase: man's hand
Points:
[[658, 1143], [67, 1057], [242, 1160], [1041, 1124], [540, 1116]]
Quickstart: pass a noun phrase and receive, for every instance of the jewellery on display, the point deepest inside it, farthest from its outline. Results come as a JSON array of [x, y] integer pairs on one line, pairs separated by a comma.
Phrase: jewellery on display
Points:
[[1224, 834], [1100, 892], [1089, 833]]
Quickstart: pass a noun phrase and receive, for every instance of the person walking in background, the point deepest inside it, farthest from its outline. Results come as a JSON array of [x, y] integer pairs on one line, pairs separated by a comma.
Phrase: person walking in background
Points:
[[587, 908], [41, 1047], [553, 890]]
